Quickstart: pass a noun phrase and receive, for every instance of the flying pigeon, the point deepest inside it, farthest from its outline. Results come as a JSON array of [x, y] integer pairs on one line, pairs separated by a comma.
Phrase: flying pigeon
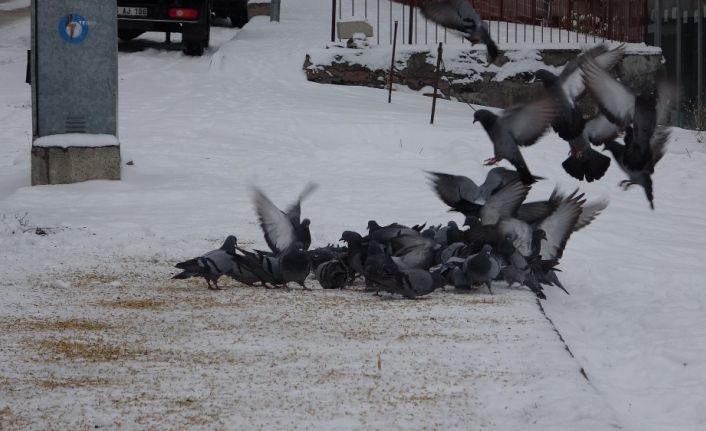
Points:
[[644, 116], [459, 16], [281, 228], [567, 88], [516, 127], [212, 265]]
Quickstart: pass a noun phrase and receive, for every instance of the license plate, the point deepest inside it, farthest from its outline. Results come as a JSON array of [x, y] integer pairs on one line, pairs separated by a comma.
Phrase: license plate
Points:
[[132, 11]]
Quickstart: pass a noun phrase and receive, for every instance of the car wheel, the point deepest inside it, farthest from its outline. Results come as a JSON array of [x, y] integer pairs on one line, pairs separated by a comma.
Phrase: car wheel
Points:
[[126, 34], [239, 14]]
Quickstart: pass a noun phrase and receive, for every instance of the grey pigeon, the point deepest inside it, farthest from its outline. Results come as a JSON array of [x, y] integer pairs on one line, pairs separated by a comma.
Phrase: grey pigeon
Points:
[[482, 268], [458, 15], [520, 126], [357, 252], [291, 265], [332, 274], [583, 161], [410, 283], [567, 88], [212, 265], [413, 251], [281, 228], [643, 115]]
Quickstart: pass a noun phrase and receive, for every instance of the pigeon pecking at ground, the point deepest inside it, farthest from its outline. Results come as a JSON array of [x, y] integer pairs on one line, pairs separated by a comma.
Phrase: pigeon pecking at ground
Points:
[[212, 265]]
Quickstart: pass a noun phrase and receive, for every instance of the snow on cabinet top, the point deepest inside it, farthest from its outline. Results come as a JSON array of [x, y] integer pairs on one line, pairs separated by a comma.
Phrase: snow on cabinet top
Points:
[[66, 140]]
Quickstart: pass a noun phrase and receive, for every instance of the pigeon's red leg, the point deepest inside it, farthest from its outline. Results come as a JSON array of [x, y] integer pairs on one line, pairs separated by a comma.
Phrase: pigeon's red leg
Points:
[[491, 161]]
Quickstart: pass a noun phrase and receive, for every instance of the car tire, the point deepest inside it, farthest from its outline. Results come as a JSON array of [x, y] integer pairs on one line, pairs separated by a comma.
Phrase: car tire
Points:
[[127, 34], [239, 14]]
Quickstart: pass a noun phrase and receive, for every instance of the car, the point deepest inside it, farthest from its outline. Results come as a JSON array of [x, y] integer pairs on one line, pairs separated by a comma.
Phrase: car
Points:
[[235, 10], [191, 18]]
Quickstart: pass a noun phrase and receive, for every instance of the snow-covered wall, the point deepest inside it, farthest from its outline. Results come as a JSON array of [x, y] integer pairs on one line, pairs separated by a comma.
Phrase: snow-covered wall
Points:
[[466, 74]]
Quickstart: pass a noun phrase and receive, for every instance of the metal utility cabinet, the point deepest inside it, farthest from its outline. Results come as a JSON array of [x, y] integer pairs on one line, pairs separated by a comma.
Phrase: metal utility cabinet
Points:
[[74, 74]]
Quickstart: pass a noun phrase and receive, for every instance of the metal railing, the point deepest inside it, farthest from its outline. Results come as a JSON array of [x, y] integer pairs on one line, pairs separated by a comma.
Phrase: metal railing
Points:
[[510, 21]]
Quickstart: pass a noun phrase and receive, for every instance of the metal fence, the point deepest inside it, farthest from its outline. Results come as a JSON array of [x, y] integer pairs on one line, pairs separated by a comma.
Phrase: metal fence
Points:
[[509, 21]]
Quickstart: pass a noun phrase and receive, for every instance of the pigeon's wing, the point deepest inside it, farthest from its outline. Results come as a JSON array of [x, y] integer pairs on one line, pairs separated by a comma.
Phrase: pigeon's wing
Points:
[[615, 100], [658, 145], [559, 225], [666, 100], [457, 15], [453, 188], [528, 122], [294, 211], [504, 203], [573, 84], [599, 130], [589, 212], [276, 225], [570, 79], [534, 212]]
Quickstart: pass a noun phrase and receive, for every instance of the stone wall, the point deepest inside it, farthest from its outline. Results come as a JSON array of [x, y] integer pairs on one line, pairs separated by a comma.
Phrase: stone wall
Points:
[[466, 76]]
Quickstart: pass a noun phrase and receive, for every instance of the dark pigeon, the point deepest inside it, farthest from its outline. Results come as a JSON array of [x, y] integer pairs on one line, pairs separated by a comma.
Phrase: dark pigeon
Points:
[[516, 127], [482, 268], [332, 274], [459, 16], [413, 251]]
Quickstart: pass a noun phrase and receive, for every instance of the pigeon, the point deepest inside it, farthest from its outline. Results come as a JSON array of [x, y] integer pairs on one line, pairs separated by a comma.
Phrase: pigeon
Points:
[[212, 265], [384, 234], [410, 283], [585, 163], [459, 16], [291, 265], [482, 268], [324, 254], [357, 252], [568, 87], [522, 125], [413, 251], [332, 274], [642, 177], [644, 117], [281, 228]]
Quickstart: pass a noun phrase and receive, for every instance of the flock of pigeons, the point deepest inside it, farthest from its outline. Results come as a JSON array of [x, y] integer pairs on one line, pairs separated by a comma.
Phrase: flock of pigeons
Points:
[[503, 237]]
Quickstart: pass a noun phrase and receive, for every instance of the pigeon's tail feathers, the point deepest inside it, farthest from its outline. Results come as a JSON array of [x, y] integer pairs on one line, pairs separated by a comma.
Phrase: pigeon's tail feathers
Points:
[[183, 275], [191, 265], [648, 191], [525, 175], [574, 167], [596, 164], [489, 43]]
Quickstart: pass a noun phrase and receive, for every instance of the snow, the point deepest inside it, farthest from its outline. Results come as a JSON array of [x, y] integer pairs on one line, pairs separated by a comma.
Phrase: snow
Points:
[[95, 333], [66, 140]]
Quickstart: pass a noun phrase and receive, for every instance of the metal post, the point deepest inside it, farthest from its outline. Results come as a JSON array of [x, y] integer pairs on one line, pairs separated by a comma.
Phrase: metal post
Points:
[[658, 23], [333, 20], [274, 10], [411, 25], [352, 7], [340, 8], [679, 61], [700, 63], [440, 52], [392, 64], [378, 29]]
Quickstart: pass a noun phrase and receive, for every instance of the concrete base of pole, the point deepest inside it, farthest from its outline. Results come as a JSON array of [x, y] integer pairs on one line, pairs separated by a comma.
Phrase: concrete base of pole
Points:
[[63, 165]]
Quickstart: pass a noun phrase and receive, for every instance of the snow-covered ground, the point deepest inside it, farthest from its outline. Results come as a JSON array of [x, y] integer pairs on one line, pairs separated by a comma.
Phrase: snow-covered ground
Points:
[[94, 333]]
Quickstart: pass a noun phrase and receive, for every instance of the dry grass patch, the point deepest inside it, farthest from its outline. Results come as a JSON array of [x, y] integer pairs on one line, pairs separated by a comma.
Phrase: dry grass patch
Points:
[[66, 325], [134, 304], [88, 350], [71, 382]]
